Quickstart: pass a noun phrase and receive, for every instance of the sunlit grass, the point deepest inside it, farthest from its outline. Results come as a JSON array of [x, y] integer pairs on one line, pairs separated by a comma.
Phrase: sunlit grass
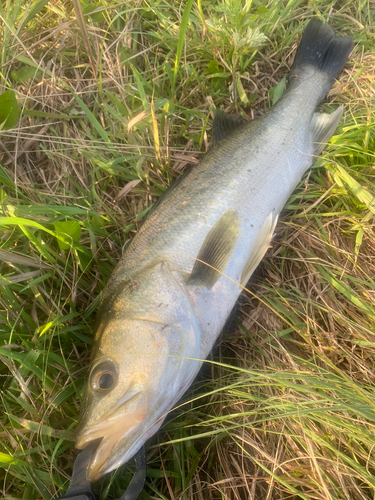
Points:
[[284, 408]]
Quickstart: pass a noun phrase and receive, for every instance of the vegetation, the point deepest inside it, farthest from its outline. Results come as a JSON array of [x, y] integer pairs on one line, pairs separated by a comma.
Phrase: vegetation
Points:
[[103, 105]]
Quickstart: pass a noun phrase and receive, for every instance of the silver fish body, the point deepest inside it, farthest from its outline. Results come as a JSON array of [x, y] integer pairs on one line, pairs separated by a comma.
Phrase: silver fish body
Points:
[[170, 296]]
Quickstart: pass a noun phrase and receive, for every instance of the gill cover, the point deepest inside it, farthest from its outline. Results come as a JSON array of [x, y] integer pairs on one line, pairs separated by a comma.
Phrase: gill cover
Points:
[[146, 338]]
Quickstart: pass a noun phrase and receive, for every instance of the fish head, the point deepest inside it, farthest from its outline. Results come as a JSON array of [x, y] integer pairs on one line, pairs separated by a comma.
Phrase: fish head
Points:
[[142, 363]]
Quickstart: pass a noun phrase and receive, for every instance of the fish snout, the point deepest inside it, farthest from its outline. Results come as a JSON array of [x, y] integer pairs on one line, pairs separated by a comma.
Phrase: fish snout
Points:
[[112, 430]]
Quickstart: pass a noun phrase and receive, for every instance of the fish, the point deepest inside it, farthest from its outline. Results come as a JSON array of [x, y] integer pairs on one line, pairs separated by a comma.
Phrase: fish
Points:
[[176, 284]]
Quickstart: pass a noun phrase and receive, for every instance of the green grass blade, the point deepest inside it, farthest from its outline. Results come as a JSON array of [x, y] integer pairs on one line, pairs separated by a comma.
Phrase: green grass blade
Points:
[[181, 40]]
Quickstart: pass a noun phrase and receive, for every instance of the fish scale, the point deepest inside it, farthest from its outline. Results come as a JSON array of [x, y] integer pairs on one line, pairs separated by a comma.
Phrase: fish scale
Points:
[[230, 177], [173, 290]]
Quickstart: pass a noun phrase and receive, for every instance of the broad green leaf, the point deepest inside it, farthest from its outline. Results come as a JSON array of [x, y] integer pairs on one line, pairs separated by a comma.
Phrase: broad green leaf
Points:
[[3, 196], [24, 224], [98, 221], [213, 67], [5, 179], [358, 240], [43, 329], [6, 460], [9, 112], [42, 248], [241, 92], [359, 191], [68, 231], [23, 74], [278, 91]]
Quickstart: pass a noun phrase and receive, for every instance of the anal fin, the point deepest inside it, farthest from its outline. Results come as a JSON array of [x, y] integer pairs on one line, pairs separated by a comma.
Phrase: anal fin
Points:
[[323, 126], [216, 250], [260, 247]]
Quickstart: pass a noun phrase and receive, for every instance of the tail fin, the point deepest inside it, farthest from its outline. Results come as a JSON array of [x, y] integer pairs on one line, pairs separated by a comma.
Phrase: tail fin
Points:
[[321, 48]]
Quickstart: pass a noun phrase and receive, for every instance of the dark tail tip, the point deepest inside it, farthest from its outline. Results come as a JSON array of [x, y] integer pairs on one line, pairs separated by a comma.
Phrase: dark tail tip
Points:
[[322, 48]]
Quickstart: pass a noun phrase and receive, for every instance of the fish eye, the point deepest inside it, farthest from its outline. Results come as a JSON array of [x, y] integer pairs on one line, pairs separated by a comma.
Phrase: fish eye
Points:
[[105, 381], [104, 376]]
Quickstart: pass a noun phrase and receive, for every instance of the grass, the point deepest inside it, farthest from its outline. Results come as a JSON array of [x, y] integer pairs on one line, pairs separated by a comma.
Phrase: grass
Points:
[[113, 108]]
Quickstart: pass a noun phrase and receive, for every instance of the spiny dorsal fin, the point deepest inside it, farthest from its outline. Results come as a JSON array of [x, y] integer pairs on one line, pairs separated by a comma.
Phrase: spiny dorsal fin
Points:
[[167, 192], [224, 124], [260, 247], [216, 250], [323, 126]]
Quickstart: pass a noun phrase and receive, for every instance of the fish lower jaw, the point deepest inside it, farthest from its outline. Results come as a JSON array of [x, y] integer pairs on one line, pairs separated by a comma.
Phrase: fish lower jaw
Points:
[[93, 474], [98, 466], [111, 433], [102, 461]]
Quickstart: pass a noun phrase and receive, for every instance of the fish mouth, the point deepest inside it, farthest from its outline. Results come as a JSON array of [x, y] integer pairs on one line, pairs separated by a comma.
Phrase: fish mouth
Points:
[[111, 429]]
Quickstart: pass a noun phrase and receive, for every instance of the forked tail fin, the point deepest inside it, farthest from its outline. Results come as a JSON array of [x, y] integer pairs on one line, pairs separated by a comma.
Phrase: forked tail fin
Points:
[[322, 49]]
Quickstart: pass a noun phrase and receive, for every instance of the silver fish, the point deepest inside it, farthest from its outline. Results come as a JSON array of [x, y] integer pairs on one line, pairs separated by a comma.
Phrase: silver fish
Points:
[[170, 296]]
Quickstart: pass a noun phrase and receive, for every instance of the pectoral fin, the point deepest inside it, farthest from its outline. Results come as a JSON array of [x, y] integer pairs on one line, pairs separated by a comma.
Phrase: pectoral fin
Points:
[[323, 126], [216, 250], [259, 249]]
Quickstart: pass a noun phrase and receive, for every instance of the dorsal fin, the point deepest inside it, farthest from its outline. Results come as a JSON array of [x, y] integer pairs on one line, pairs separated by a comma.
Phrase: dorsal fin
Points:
[[216, 250], [167, 192], [323, 126], [224, 124], [260, 247]]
